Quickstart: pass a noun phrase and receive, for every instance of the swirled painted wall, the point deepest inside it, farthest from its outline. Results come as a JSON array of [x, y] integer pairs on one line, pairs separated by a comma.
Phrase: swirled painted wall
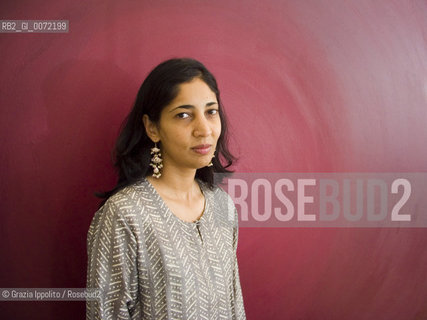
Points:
[[309, 86]]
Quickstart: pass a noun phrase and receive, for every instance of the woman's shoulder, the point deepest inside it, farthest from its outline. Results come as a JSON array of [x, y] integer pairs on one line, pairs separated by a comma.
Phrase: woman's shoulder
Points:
[[223, 204], [218, 193], [130, 199], [124, 207], [137, 193]]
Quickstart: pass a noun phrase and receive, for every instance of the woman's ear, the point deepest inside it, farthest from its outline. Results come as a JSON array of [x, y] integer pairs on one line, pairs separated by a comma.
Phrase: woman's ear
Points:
[[150, 128]]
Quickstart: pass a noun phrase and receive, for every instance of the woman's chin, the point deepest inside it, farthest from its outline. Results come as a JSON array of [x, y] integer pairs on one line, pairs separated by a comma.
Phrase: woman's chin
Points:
[[201, 164]]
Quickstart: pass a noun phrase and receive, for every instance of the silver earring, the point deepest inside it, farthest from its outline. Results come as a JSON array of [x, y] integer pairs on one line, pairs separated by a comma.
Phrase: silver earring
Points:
[[156, 161]]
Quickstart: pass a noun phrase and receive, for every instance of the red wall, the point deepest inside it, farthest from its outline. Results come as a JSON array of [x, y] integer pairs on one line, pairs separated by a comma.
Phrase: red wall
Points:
[[312, 86]]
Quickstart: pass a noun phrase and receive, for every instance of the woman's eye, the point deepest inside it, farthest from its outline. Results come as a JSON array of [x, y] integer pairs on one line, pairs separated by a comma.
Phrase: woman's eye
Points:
[[213, 111], [182, 115]]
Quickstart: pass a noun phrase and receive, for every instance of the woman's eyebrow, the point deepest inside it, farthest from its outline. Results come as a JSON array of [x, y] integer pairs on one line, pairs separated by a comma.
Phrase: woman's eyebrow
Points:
[[189, 106]]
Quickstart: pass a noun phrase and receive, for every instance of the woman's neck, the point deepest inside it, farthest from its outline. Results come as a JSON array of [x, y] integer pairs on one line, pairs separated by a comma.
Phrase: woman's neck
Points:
[[177, 184]]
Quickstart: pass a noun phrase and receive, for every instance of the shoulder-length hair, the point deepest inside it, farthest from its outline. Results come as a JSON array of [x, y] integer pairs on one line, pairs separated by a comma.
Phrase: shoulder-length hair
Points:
[[131, 154]]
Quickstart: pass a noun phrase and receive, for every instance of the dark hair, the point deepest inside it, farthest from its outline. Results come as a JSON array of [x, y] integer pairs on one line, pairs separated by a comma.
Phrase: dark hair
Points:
[[131, 154]]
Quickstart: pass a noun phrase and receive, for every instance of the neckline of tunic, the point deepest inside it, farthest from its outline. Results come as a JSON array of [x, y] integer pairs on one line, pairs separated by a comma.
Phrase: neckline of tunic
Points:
[[186, 223]]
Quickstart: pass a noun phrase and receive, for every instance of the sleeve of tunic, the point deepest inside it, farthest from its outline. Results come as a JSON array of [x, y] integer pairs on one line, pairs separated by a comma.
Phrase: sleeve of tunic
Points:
[[112, 266], [239, 310]]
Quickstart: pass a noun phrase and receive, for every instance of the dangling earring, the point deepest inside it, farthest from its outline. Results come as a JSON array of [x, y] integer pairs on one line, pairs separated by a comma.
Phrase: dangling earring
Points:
[[156, 161], [210, 163]]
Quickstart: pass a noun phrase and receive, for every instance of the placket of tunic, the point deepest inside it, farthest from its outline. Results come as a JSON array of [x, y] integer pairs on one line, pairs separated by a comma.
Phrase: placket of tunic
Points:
[[207, 287]]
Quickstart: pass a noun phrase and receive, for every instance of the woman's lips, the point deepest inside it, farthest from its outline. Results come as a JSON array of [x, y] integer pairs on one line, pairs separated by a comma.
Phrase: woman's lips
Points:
[[202, 149]]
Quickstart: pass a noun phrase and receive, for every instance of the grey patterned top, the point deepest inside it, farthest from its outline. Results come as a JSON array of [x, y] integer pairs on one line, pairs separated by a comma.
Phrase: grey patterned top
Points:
[[149, 264]]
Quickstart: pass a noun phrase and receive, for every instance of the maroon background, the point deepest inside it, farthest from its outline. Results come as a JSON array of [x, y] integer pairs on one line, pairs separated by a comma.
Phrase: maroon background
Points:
[[309, 86]]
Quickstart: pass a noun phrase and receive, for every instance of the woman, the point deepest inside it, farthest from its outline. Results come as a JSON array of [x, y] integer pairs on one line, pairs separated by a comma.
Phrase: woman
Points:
[[162, 244]]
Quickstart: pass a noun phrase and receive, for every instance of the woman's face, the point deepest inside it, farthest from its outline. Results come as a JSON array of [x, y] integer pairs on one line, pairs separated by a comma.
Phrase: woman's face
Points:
[[189, 127]]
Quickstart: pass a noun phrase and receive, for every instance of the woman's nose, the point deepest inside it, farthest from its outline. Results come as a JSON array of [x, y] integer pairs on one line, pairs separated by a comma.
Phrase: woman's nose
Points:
[[202, 127]]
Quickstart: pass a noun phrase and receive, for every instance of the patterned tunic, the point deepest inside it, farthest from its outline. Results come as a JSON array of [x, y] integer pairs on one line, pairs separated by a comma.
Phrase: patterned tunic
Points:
[[150, 264]]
